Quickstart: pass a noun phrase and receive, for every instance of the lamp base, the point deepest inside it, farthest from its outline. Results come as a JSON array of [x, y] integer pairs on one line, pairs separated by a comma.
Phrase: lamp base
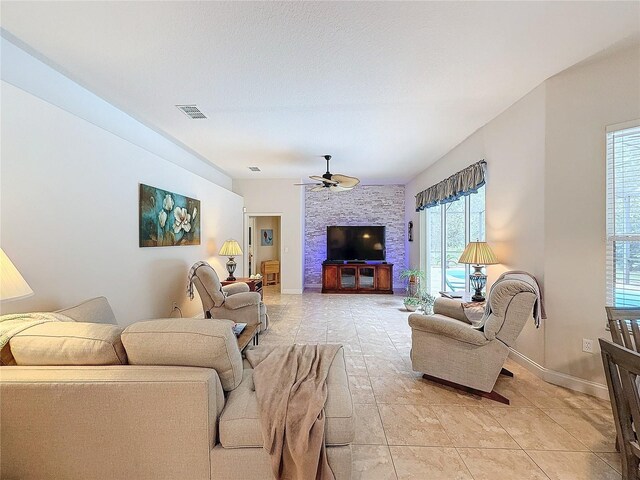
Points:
[[231, 268], [477, 297], [478, 280]]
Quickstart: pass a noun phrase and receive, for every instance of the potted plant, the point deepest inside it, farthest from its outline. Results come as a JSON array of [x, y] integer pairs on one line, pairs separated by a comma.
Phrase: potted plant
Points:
[[414, 277], [426, 302], [412, 303]]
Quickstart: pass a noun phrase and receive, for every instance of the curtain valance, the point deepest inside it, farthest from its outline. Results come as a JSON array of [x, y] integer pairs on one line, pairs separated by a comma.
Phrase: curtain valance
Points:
[[459, 184]]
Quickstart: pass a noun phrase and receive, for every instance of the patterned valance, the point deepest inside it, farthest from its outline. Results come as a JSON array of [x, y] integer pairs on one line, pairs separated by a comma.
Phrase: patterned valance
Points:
[[457, 185]]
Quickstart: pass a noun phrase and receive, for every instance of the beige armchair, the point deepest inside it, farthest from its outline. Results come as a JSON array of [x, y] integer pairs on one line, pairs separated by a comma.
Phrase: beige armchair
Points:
[[453, 352], [232, 302]]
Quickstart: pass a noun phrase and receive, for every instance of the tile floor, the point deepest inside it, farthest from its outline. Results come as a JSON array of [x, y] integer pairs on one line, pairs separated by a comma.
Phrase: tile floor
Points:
[[407, 428]]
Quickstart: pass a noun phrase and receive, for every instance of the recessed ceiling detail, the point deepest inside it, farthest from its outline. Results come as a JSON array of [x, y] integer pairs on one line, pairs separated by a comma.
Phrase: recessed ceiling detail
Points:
[[191, 111], [255, 169]]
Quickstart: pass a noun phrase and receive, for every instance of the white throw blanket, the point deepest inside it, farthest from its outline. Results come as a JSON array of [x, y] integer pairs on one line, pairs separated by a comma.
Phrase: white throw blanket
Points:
[[538, 309], [12, 324]]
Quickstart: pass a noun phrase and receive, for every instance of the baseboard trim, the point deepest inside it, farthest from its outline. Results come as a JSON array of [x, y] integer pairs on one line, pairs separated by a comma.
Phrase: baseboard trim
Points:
[[291, 291], [561, 379]]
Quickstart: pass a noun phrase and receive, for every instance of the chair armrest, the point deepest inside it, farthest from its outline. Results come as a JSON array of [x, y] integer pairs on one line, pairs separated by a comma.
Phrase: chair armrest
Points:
[[447, 327], [234, 288], [240, 300], [450, 307]]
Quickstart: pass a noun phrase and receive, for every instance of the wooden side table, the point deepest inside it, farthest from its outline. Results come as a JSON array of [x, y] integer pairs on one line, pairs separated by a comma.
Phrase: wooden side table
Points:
[[464, 297], [255, 284], [248, 335], [270, 267]]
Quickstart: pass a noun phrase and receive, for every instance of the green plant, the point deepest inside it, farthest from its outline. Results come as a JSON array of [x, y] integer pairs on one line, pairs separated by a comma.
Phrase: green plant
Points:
[[412, 273], [412, 301], [426, 301]]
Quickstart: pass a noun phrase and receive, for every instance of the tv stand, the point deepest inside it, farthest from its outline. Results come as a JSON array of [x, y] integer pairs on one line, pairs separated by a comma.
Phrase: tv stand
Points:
[[358, 277]]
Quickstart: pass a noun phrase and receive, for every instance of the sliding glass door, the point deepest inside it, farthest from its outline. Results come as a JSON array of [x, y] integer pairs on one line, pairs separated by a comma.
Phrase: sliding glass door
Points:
[[446, 231]]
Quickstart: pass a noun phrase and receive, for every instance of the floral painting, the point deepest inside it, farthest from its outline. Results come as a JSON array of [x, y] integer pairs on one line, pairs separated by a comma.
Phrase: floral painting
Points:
[[168, 219]]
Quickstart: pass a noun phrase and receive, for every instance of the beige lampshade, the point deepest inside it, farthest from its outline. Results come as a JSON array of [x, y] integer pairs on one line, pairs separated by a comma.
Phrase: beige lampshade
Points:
[[230, 248], [12, 285], [478, 253]]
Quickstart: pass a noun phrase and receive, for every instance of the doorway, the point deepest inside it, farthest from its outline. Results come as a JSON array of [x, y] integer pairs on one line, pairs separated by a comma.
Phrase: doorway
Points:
[[263, 243]]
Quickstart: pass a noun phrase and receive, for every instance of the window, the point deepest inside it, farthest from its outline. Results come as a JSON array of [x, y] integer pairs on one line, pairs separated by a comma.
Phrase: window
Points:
[[623, 215], [447, 229]]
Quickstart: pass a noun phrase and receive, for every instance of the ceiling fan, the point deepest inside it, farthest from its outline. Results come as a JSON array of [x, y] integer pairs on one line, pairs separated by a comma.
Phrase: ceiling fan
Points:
[[333, 182]]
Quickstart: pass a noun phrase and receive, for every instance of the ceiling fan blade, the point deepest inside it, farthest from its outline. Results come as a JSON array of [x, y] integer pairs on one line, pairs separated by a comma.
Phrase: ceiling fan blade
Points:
[[339, 188], [299, 184], [322, 179], [318, 188], [345, 180]]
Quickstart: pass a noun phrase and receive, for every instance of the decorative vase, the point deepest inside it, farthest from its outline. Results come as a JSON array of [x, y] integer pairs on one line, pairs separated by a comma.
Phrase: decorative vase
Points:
[[411, 307]]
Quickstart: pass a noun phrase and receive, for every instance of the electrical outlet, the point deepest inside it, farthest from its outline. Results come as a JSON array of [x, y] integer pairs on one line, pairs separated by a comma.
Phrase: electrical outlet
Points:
[[587, 345]]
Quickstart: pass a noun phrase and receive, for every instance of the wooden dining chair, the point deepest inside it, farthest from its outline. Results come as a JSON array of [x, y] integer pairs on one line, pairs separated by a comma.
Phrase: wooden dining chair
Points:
[[622, 367], [625, 326]]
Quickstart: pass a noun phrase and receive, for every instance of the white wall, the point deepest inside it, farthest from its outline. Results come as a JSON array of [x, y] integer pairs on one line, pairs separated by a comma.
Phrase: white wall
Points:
[[280, 197], [513, 146], [581, 102], [69, 200], [546, 203]]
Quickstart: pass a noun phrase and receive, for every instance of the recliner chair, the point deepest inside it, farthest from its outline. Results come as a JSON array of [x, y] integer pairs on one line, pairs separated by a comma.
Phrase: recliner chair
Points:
[[232, 302], [453, 352]]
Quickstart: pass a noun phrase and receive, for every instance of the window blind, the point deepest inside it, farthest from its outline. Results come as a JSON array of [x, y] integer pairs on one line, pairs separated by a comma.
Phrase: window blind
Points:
[[623, 216]]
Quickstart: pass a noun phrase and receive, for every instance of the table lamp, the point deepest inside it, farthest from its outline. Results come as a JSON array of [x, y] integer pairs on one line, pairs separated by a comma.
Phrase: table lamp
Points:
[[12, 285], [478, 254], [230, 249]]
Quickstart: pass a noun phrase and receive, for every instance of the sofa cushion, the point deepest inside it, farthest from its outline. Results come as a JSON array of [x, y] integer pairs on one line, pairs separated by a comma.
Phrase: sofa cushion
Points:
[[69, 343], [95, 310], [240, 421], [186, 342]]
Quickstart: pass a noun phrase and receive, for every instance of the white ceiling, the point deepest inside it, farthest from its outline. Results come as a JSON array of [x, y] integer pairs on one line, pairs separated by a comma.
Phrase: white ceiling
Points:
[[386, 88]]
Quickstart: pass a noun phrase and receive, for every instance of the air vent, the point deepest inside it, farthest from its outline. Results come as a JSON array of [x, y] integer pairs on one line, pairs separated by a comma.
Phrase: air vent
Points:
[[254, 169], [191, 111]]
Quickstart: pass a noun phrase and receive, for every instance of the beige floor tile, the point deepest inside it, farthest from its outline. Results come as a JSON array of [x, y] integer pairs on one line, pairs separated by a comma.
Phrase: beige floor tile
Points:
[[443, 395], [386, 365], [472, 427], [361, 391], [409, 404], [506, 387], [546, 395], [533, 429], [498, 464], [595, 428], [369, 429], [355, 365], [372, 462], [400, 390], [433, 463], [412, 425], [612, 459], [573, 466]]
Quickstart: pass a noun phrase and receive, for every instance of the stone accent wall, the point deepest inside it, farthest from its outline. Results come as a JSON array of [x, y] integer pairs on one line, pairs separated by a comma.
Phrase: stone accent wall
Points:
[[364, 205]]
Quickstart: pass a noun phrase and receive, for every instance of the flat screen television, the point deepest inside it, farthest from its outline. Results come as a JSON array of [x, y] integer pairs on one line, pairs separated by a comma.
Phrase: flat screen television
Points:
[[356, 243]]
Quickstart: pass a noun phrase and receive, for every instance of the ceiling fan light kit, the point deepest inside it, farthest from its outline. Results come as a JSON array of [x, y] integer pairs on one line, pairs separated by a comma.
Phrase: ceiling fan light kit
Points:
[[331, 182]]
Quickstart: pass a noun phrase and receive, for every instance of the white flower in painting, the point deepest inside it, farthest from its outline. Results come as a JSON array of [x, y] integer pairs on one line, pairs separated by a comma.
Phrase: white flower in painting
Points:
[[162, 218], [167, 204], [182, 220], [195, 212]]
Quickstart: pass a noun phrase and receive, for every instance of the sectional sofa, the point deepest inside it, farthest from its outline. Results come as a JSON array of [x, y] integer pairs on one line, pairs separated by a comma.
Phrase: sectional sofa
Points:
[[164, 399]]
